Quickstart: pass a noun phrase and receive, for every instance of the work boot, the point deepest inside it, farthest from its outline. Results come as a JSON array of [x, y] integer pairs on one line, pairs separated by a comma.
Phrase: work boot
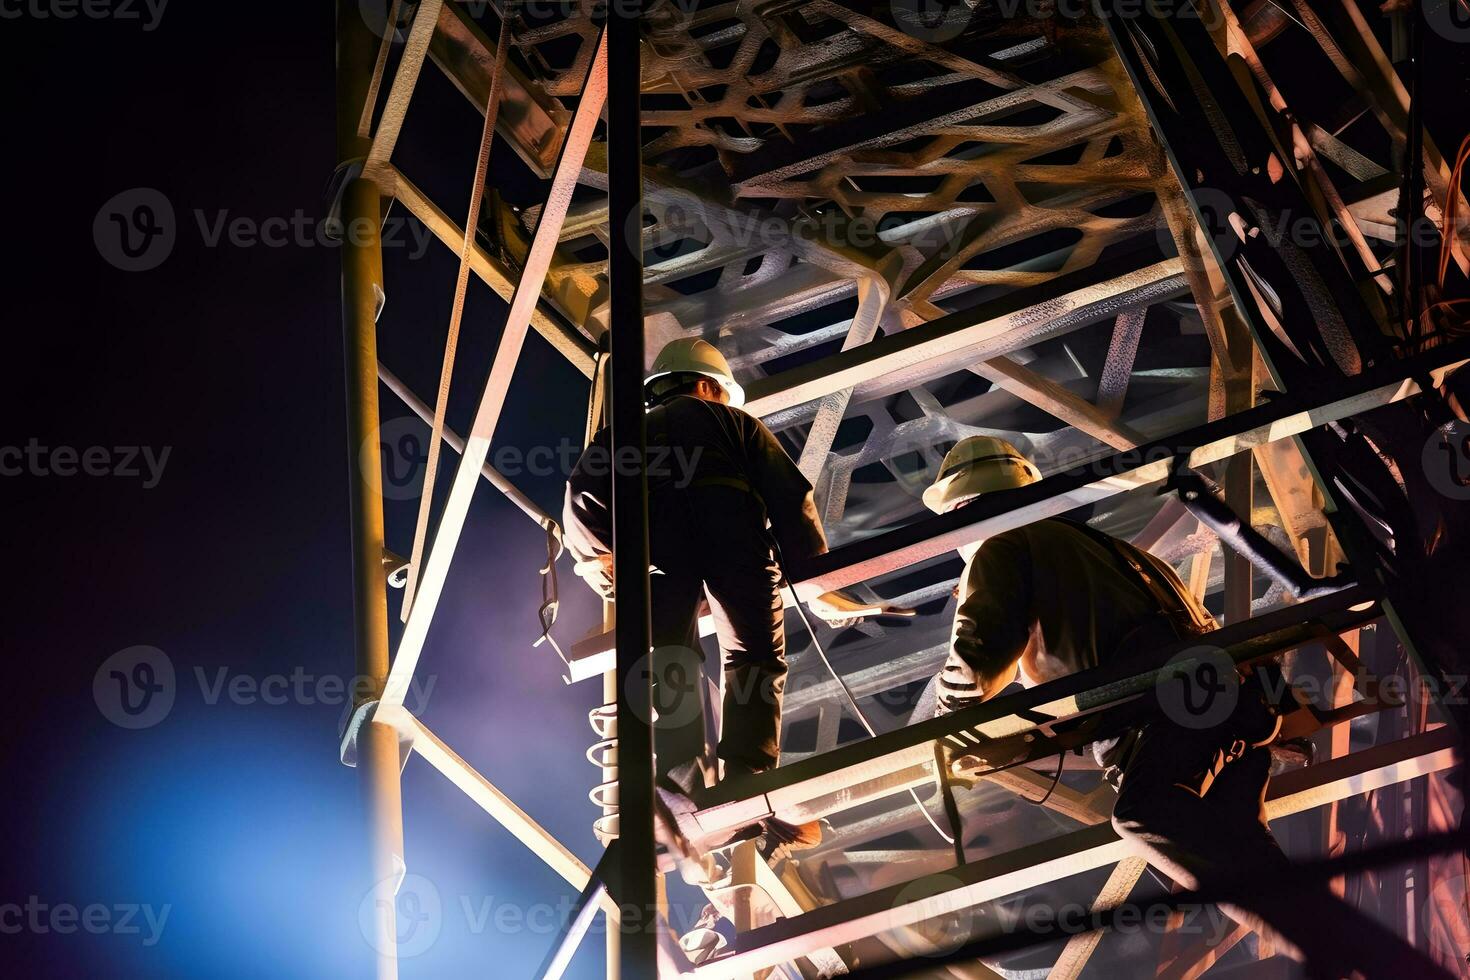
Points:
[[792, 836], [775, 831]]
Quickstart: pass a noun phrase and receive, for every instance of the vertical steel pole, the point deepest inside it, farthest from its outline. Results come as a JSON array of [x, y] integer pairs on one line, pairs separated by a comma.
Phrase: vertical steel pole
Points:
[[612, 946], [362, 279], [1240, 470], [638, 898]]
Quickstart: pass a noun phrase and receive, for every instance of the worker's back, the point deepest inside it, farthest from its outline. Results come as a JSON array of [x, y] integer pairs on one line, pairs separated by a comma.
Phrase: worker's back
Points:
[[1070, 596], [695, 441], [696, 446]]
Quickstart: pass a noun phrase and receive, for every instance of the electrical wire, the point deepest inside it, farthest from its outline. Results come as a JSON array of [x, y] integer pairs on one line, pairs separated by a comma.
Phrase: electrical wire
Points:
[[949, 838], [861, 717], [1061, 764]]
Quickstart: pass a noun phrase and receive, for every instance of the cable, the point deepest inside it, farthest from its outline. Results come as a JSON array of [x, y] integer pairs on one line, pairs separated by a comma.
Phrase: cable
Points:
[[852, 704], [1061, 764], [847, 692]]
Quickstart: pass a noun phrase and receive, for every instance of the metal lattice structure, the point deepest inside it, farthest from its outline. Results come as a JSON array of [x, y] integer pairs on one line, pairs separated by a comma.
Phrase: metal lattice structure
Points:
[[901, 232]]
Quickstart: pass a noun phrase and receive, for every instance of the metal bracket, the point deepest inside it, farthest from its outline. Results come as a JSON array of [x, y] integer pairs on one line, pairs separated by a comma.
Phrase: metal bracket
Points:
[[347, 171], [365, 714]]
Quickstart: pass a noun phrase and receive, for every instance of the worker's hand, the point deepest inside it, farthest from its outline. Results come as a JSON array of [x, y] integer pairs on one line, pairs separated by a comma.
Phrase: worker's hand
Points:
[[598, 574], [838, 609]]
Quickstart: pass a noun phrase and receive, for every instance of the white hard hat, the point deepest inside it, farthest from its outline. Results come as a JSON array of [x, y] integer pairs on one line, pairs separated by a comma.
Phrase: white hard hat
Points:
[[977, 465], [690, 355]]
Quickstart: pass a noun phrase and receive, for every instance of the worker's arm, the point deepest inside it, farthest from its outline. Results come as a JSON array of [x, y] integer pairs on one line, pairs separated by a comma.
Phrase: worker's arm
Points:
[[993, 622], [794, 522], [786, 493]]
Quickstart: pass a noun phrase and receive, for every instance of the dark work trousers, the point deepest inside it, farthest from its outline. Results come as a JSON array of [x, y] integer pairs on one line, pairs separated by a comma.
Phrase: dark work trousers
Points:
[[711, 541], [1221, 840]]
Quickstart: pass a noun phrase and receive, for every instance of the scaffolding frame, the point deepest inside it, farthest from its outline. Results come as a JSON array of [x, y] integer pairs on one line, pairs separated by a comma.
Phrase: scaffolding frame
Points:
[[382, 733]]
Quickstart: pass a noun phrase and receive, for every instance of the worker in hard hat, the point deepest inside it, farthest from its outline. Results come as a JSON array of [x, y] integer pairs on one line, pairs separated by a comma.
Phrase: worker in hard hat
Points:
[[1094, 599], [726, 504], [1056, 597]]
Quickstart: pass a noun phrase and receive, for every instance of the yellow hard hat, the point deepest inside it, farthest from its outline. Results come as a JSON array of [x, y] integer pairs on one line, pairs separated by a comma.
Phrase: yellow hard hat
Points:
[[690, 355], [976, 465]]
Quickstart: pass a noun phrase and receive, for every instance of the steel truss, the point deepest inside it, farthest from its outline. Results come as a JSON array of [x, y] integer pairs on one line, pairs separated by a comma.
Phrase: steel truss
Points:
[[898, 240]]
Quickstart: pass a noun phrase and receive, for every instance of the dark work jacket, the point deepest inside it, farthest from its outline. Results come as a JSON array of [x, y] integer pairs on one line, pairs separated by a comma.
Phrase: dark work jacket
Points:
[[695, 443], [1053, 592]]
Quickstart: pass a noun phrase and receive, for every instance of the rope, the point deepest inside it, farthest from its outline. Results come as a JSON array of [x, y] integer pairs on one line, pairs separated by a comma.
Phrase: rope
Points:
[[451, 343]]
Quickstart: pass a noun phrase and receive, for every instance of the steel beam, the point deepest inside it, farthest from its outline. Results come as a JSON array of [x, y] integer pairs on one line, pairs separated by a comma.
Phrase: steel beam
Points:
[[1115, 891], [1014, 322], [776, 160], [466, 56], [898, 760], [492, 400], [455, 441], [932, 537], [405, 80], [1282, 417], [638, 891], [567, 340], [1303, 308], [584, 910], [1028, 867], [362, 287], [1058, 402], [488, 798]]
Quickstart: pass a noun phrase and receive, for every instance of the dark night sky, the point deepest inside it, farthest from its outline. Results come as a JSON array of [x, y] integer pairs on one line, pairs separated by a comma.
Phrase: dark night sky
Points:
[[237, 817]]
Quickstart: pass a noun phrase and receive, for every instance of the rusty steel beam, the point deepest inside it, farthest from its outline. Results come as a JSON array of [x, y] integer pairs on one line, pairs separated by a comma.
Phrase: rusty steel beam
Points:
[[1281, 418], [567, 340], [405, 80], [1115, 891]]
